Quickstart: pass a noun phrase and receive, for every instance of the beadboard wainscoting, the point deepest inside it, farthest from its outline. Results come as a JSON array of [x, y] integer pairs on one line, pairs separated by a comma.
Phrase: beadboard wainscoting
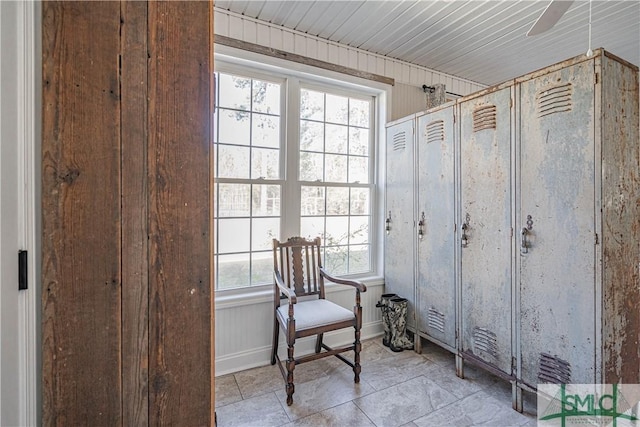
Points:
[[244, 326]]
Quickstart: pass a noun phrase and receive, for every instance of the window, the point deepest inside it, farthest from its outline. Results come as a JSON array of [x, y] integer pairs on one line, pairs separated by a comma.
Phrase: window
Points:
[[334, 174], [247, 189], [305, 170]]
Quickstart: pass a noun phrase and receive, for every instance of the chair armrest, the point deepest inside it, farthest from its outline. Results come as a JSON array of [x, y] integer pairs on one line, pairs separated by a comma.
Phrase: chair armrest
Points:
[[354, 283], [288, 292]]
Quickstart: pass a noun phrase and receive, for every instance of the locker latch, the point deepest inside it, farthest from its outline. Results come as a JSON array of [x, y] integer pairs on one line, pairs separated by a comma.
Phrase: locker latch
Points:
[[387, 223], [524, 245]]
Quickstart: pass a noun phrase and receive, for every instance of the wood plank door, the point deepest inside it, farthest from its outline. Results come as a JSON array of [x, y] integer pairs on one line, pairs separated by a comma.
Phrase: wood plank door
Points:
[[127, 281]]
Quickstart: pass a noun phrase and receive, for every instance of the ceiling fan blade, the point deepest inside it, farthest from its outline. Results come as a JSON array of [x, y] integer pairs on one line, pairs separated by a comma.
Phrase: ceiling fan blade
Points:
[[549, 17]]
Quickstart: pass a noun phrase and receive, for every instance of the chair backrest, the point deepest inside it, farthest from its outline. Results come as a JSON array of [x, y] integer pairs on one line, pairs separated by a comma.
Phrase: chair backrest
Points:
[[297, 260]]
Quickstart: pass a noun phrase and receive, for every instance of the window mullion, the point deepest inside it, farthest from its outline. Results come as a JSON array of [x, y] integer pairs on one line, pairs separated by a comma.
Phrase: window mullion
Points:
[[292, 204]]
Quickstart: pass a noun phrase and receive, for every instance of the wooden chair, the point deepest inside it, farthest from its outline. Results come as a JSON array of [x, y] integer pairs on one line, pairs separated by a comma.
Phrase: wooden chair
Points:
[[298, 273]]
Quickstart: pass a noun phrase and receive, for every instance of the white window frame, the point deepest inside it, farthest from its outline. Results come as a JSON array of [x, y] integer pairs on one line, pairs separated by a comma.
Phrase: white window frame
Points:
[[250, 64]]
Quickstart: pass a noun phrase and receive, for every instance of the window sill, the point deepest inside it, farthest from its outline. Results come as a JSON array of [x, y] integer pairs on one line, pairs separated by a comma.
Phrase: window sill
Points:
[[264, 294]]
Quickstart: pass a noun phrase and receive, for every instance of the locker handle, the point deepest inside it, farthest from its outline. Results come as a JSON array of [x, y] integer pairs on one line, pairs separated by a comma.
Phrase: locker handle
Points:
[[421, 227], [524, 246], [387, 223], [464, 239]]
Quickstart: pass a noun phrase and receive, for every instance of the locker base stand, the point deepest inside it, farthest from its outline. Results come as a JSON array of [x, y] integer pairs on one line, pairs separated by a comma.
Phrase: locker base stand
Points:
[[437, 342], [516, 392]]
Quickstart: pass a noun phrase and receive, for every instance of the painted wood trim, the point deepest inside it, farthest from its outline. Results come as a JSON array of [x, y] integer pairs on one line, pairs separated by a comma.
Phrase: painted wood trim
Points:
[[135, 213], [81, 222], [294, 57], [212, 295], [179, 120]]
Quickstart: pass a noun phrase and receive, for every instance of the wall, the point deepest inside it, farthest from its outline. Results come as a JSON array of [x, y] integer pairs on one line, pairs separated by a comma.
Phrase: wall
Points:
[[407, 97], [126, 270], [244, 327], [244, 324], [19, 196]]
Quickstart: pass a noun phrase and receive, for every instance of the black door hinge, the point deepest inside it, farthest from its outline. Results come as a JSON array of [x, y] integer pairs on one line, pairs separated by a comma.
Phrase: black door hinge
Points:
[[22, 270]]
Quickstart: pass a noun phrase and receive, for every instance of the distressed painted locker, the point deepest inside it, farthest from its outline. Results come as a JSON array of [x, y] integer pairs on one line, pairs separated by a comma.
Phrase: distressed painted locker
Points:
[[485, 218], [436, 241], [578, 219], [399, 259]]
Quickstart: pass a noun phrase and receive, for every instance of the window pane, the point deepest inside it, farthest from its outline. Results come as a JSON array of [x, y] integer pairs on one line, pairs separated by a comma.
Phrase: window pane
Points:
[[234, 128], [359, 141], [360, 201], [312, 200], [311, 166], [265, 163], [233, 235], [359, 113], [337, 201], [336, 168], [266, 131], [359, 230], [359, 259], [311, 105], [336, 139], [235, 92], [263, 232], [337, 109], [233, 162], [233, 200], [261, 268], [335, 260], [249, 136], [266, 200], [311, 136], [233, 271], [337, 232], [266, 97], [359, 169], [311, 227]]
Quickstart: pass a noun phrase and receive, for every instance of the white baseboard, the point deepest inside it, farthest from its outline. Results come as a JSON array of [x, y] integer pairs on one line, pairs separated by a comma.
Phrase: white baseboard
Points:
[[260, 356]]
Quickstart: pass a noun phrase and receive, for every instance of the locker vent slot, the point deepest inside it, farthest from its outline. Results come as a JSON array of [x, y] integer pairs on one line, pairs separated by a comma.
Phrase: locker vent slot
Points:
[[553, 370], [554, 99], [399, 141], [484, 118], [435, 320], [485, 340], [434, 132]]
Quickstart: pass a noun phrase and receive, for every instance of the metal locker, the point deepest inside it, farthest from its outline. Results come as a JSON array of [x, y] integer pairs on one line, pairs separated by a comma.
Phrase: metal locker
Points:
[[399, 224], [556, 226], [435, 285], [485, 237]]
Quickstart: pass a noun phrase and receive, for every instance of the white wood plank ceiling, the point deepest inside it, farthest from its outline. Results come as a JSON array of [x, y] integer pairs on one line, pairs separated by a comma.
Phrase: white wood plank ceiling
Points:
[[483, 41]]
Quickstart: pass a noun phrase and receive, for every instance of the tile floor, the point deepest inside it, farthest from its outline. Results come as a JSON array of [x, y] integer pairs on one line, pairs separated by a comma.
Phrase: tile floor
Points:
[[396, 389]]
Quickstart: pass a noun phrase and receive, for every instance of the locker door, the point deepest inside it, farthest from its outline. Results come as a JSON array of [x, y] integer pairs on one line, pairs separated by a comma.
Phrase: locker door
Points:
[[399, 237], [556, 224], [436, 213], [485, 237]]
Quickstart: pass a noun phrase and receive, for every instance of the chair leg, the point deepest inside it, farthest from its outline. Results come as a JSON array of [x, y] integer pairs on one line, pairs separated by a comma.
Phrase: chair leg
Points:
[[274, 347], [319, 343], [291, 364], [357, 346]]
